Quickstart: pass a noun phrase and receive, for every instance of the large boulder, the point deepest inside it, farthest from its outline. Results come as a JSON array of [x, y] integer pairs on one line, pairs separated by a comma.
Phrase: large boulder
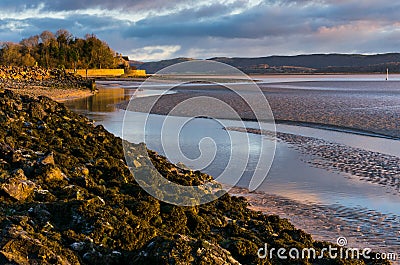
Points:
[[18, 186]]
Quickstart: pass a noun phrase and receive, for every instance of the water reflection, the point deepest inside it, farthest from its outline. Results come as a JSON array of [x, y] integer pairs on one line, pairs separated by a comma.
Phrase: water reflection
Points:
[[109, 95], [290, 176], [104, 101]]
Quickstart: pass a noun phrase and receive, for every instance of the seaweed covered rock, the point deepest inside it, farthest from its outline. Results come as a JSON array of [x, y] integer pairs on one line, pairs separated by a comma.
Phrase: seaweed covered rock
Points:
[[183, 250], [67, 197]]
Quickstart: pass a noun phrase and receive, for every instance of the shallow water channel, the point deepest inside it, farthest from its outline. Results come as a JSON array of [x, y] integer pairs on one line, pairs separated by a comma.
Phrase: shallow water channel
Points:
[[290, 176]]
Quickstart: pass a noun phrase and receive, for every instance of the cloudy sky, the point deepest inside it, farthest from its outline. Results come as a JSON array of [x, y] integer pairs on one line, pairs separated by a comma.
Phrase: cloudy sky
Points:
[[157, 29]]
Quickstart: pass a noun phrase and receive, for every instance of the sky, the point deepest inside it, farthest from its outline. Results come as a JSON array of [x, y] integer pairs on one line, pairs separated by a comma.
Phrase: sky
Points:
[[149, 30]]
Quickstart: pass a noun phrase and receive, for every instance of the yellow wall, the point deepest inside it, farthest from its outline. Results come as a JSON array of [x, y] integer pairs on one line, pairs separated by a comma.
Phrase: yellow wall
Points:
[[106, 72], [98, 72], [137, 73]]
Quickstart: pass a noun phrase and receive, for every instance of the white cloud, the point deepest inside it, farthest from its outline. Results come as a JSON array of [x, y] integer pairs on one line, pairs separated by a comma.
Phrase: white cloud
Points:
[[14, 25], [149, 53]]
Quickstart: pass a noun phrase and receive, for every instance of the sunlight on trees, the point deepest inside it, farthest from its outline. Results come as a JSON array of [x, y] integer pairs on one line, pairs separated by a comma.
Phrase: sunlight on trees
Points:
[[59, 50]]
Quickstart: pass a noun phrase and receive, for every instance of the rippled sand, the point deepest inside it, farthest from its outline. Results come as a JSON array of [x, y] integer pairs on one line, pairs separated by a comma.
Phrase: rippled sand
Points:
[[368, 166], [361, 227]]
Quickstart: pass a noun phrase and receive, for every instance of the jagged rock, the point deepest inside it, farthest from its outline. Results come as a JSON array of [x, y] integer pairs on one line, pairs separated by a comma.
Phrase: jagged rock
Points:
[[47, 159], [40, 213], [37, 110], [21, 77], [18, 186], [182, 166], [53, 174], [81, 171], [183, 250], [23, 249]]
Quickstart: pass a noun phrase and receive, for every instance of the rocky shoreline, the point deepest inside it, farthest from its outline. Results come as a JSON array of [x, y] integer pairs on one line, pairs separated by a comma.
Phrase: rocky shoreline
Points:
[[54, 83], [67, 197], [22, 77]]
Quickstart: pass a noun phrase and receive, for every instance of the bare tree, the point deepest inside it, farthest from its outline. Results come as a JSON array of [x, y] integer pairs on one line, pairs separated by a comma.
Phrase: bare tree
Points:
[[46, 37], [30, 43], [63, 36]]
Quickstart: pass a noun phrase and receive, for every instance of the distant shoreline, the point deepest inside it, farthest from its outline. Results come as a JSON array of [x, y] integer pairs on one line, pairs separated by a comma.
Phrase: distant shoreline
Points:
[[325, 73]]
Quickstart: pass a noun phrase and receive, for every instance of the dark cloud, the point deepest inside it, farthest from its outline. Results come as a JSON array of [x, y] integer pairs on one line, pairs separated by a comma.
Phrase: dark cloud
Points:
[[79, 26], [71, 5], [210, 28], [254, 23], [297, 17]]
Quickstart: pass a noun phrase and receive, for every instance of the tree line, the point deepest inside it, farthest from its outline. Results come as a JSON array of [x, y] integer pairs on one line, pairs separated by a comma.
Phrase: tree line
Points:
[[59, 50]]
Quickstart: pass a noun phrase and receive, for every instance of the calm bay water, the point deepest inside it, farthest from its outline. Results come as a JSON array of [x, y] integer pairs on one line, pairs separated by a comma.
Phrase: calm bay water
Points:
[[289, 176]]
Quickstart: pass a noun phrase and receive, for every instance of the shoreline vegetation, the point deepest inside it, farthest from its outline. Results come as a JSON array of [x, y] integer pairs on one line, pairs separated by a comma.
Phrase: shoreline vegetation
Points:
[[67, 197], [59, 50]]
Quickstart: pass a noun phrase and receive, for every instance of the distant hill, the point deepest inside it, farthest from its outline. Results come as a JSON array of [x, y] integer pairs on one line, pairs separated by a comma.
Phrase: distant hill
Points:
[[313, 63], [136, 64], [153, 67]]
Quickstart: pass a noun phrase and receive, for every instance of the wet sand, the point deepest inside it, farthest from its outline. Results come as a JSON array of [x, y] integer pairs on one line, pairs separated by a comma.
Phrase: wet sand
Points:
[[366, 165], [368, 111], [361, 227]]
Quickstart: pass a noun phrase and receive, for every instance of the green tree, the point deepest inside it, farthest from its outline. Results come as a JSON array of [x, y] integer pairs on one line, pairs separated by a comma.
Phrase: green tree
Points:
[[61, 49], [11, 54], [47, 38], [63, 39], [100, 54]]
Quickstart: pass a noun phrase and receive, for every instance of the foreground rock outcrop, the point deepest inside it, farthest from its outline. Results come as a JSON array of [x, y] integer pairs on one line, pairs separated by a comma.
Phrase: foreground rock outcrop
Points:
[[67, 197]]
